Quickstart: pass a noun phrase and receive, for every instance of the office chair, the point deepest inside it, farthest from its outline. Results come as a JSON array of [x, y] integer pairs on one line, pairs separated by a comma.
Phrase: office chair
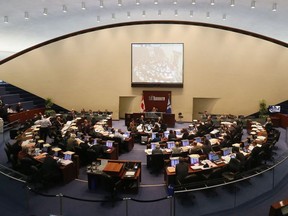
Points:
[[234, 170], [110, 185], [157, 163]]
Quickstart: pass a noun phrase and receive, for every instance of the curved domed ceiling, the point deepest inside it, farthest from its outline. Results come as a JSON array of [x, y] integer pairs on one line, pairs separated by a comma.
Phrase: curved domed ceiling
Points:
[[29, 22]]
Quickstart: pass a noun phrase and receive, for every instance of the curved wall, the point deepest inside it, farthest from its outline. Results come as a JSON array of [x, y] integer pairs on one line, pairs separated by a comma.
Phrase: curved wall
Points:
[[93, 70]]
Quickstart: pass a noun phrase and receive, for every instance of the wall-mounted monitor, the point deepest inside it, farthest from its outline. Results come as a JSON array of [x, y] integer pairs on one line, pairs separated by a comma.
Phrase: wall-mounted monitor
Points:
[[157, 64]]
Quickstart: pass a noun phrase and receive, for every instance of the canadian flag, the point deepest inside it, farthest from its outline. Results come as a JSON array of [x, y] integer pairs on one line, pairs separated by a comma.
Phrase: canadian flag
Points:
[[142, 105]]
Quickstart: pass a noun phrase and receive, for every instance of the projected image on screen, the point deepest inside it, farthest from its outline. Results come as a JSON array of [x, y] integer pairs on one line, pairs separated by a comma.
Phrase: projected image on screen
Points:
[[157, 64]]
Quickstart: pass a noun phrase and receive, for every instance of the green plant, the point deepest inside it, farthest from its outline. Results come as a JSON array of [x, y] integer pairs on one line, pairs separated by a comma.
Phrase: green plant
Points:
[[263, 112], [48, 103]]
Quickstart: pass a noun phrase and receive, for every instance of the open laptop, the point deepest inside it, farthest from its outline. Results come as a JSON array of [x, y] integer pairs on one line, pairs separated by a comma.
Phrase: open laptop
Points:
[[174, 161], [170, 144], [215, 158], [185, 142]]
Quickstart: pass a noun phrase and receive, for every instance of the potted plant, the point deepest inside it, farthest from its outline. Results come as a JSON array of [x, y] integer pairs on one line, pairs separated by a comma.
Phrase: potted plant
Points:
[[263, 111], [48, 107]]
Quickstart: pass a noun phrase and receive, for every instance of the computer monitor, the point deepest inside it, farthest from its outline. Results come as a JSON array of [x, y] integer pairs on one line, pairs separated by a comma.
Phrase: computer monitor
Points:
[[178, 132], [226, 151], [213, 156], [95, 141], [67, 156], [185, 142], [127, 134], [166, 134], [109, 143], [194, 159], [153, 145], [198, 139], [174, 161], [153, 136], [170, 144]]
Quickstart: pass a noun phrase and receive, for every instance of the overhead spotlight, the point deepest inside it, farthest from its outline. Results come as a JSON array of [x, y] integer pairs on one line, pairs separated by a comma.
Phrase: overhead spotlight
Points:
[[137, 2], [232, 3], [64, 9], [45, 11], [128, 14], [5, 19], [159, 12], [224, 17], [208, 15], [176, 12], [212, 2], [191, 13], [193, 2], [98, 18], [155, 2], [83, 5], [26, 15], [274, 6], [253, 4], [113, 16], [119, 3], [144, 13], [175, 2], [101, 4]]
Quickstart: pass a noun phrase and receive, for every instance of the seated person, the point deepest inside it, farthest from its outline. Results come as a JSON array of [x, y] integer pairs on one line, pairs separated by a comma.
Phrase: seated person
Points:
[[181, 169], [238, 155], [172, 135], [71, 142], [19, 107], [157, 149], [176, 149], [195, 147], [50, 171]]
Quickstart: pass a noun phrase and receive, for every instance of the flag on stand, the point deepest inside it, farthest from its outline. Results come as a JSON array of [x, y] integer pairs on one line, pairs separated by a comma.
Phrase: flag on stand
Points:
[[169, 109], [142, 105]]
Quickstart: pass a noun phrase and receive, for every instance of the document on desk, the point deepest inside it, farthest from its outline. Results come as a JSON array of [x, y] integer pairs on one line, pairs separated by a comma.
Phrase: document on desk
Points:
[[102, 165], [197, 167], [130, 173], [66, 162]]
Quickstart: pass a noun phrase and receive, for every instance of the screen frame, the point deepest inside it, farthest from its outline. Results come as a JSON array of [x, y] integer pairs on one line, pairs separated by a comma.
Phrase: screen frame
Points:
[[157, 84]]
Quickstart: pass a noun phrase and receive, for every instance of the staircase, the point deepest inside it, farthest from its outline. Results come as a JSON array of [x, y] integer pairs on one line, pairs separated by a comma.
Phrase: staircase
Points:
[[11, 95]]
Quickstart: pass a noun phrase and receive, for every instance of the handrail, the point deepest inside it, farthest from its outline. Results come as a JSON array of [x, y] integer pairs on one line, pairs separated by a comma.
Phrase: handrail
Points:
[[12, 171]]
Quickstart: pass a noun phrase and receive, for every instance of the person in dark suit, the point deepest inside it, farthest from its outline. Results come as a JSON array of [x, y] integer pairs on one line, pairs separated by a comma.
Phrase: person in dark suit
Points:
[[50, 171], [238, 155], [19, 107], [181, 169], [172, 135]]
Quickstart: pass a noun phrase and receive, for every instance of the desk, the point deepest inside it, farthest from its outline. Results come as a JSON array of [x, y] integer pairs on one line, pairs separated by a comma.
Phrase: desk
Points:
[[25, 115], [69, 171], [279, 208], [170, 175], [117, 169]]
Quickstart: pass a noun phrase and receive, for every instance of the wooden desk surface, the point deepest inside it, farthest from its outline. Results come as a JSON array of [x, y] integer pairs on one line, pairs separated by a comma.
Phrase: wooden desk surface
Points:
[[113, 167]]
